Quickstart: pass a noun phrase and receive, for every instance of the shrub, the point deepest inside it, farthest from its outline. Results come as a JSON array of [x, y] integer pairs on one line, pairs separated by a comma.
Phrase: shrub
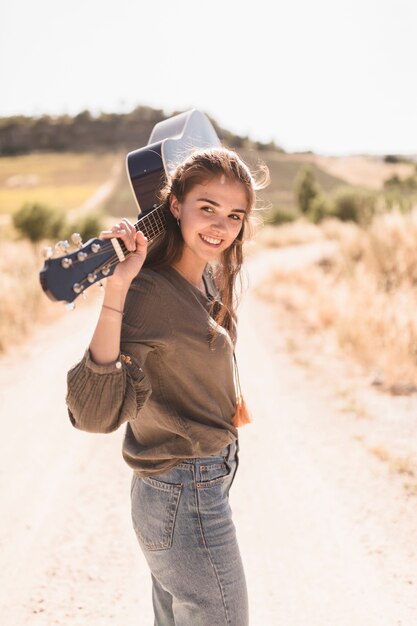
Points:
[[280, 215], [410, 183], [89, 226], [393, 181], [39, 221], [394, 199], [320, 207], [306, 189], [404, 184], [354, 205]]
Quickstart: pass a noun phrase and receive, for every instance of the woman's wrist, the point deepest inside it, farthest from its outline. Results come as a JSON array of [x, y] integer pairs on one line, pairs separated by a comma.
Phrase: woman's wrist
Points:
[[114, 283], [115, 296], [112, 308]]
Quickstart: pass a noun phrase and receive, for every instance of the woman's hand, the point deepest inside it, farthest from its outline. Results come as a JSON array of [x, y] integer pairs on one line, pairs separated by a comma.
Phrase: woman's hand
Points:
[[136, 243]]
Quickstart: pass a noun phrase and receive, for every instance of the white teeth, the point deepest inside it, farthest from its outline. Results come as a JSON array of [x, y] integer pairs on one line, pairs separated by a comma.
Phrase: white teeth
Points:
[[210, 239]]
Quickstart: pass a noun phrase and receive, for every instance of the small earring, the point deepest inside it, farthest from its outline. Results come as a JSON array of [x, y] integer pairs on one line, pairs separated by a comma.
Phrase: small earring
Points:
[[178, 222]]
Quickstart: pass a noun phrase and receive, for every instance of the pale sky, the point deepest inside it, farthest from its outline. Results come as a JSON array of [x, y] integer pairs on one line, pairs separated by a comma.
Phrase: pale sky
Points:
[[332, 76]]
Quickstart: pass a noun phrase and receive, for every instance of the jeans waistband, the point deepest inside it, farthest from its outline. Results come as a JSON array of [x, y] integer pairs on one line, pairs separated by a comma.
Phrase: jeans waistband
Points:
[[228, 453]]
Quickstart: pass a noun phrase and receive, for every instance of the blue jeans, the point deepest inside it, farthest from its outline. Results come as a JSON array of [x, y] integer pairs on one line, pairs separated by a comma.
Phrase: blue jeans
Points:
[[183, 522]]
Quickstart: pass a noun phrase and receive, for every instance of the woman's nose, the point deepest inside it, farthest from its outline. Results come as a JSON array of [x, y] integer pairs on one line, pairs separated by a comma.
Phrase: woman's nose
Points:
[[219, 224]]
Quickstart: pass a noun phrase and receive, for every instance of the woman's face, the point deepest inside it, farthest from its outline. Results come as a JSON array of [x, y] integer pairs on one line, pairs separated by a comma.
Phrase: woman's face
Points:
[[211, 217]]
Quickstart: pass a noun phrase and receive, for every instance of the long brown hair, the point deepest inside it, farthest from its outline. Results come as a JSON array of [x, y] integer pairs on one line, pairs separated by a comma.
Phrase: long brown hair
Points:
[[198, 168]]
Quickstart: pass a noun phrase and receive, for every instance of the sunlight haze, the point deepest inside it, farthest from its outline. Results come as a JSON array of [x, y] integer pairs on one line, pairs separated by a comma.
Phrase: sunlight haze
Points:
[[332, 77]]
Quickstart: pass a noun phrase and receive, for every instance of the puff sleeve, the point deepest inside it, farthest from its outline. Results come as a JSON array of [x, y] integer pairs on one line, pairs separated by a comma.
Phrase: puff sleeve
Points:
[[102, 397]]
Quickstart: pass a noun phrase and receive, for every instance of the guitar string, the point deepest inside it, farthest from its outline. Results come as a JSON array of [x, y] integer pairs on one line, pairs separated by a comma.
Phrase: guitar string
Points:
[[112, 262], [151, 233]]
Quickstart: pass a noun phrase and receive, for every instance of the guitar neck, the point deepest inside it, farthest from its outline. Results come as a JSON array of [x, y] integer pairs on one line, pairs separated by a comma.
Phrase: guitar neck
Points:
[[152, 224]]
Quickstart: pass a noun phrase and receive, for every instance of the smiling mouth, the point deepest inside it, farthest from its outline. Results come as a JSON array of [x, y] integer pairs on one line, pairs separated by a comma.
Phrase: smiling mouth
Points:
[[212, 241]]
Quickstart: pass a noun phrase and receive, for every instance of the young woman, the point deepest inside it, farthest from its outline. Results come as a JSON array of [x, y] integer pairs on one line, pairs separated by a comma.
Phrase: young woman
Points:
[[162, 360]]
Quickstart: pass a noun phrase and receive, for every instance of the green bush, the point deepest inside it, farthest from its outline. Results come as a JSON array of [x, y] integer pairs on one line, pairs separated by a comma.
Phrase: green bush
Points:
[[355, 205], [408, 184], [320, 207], [393, 181], [280, 215], [395, 200], [89, 227], [306, 189], [38, 221]]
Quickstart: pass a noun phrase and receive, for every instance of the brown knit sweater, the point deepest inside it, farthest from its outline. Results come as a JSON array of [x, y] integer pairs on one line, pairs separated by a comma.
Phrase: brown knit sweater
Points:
[[174, 389]]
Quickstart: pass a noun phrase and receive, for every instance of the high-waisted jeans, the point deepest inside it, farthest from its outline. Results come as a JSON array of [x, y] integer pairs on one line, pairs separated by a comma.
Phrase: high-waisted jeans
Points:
[[183, 523]]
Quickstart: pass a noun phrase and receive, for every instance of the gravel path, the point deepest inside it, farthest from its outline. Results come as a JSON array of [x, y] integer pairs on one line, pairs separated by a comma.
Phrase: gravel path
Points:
[[328, 533]]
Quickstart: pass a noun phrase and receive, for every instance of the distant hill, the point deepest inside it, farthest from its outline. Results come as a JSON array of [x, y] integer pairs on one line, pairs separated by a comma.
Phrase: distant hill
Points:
[[116, 134], [105, 132]]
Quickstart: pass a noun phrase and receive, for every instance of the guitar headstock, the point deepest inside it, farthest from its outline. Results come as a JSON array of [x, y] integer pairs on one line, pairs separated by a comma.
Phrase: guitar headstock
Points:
[[70, 274], [64, 278]]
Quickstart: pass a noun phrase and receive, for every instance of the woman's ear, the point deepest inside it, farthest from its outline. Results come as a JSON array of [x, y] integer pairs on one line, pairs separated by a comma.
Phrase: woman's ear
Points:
[[174, 206]]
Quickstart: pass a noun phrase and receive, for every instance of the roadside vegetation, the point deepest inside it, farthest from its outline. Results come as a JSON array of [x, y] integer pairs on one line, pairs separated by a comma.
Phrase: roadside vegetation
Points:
[[362, 294], [44, 198], [61, 180], [362, 297]]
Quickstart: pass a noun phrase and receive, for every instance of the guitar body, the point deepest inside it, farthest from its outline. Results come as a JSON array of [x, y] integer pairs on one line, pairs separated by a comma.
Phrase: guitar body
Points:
[[171, 141]]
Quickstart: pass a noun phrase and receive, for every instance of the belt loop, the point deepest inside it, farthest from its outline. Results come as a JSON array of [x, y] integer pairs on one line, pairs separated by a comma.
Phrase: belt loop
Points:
[[233, 449]]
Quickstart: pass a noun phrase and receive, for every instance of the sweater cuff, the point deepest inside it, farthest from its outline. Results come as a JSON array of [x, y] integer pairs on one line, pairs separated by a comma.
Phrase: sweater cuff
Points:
[[116, 366]]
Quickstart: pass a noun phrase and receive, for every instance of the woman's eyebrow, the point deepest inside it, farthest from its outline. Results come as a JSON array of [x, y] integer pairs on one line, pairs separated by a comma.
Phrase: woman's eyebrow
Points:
[[217, 204]]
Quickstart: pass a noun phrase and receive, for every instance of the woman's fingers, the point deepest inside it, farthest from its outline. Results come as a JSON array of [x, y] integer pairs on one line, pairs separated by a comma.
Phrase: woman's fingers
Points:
[[141, 243], [124, 231], [140, 239], [136, 243]]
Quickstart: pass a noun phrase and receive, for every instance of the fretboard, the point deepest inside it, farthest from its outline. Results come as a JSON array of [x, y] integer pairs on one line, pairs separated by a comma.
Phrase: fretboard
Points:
[[152, 224]]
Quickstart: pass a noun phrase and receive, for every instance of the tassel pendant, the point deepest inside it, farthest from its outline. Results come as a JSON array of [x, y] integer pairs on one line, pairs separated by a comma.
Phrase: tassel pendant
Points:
[[242, 415]]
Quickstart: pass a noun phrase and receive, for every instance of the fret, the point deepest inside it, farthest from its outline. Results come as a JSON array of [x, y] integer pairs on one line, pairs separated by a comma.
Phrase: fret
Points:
[[160, 222], [152, 224], [153, 221]]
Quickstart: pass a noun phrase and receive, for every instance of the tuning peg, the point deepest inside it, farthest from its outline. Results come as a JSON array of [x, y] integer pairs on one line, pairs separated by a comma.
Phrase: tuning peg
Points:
[[62, 246], [77, 239], [47, 252]]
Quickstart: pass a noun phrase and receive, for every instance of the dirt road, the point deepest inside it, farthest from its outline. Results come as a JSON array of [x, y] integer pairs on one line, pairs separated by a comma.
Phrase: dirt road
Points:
[[328, 533]]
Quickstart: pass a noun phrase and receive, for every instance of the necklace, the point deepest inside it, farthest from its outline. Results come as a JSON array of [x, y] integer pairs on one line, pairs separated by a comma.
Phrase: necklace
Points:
[[200, 285]]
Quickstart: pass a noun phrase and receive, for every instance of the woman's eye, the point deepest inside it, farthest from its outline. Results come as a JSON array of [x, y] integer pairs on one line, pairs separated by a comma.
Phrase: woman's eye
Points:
[[236, 217], [209, 209]]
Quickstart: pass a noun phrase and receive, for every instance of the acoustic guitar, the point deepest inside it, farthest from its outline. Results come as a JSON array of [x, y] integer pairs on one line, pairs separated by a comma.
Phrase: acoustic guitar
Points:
[[64, 278]]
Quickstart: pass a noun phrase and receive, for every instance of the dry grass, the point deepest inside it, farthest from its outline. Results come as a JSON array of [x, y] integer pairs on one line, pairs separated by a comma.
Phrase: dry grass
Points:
[[283, 170], [298, 232], [354, 407], [362, 299], [60, 180], [64, 180], [411, 488], [64, 197], [22, 303], [397, 465], [363, 171]]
